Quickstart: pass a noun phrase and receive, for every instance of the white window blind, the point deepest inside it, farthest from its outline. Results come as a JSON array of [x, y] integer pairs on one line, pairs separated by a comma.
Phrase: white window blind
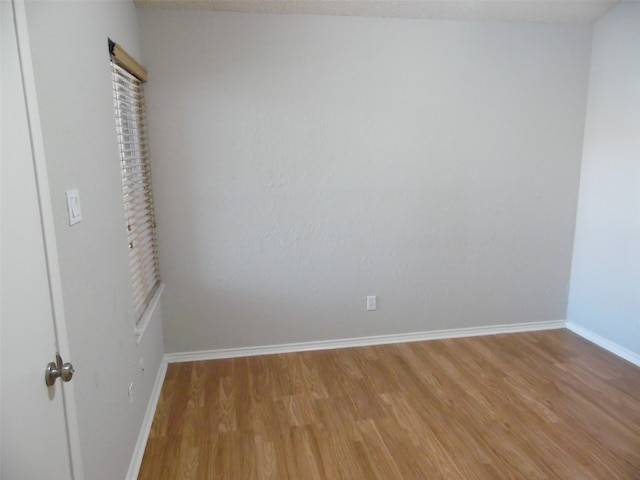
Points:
[[131, 127]]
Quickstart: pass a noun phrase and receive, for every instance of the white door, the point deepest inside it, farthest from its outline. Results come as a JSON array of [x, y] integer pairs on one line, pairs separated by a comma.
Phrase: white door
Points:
[[34, 442]]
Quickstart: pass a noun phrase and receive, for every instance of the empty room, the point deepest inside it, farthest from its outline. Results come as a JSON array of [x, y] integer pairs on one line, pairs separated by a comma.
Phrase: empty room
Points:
[[320, 239]]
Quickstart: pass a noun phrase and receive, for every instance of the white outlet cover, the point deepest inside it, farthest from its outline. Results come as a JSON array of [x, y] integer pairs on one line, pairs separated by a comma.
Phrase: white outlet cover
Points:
[[130, 395], [371, 302]]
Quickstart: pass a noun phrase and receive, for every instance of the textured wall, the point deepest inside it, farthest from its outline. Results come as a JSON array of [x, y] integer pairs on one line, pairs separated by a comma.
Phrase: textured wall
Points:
[[73, 83], [302, 163], [605, 279]]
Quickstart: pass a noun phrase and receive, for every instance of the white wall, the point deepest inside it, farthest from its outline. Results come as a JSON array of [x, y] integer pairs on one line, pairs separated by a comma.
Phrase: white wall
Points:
[[302, 163], [605, 279], [73, 82]]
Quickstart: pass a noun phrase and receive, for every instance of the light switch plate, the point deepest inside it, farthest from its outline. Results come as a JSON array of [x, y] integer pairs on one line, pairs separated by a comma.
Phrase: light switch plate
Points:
[[73, 206]]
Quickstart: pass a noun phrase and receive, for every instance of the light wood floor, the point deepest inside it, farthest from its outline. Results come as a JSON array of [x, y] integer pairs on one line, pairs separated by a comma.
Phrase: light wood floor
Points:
[[543, 405]]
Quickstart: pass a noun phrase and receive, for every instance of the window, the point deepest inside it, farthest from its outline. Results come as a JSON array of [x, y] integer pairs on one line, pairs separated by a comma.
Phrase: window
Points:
[[131, 127]]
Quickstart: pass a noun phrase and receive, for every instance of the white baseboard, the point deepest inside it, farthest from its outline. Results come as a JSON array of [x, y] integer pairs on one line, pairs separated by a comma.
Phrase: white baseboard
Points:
[[361, 341], [147, 421], [604, 343]]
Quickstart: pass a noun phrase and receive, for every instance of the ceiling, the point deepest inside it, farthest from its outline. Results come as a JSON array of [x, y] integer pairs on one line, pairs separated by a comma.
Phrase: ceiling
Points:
[[575, 11]]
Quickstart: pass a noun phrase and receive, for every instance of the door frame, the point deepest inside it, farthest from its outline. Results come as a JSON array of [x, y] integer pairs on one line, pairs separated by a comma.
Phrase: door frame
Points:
[[48, 231]]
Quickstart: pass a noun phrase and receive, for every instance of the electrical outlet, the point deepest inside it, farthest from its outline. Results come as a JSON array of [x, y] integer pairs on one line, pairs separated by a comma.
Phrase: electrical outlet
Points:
[[371, 302], [130, 394]]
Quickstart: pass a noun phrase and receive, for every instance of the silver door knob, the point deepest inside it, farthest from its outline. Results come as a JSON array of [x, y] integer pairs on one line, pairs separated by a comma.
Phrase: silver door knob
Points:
[[58, 369]]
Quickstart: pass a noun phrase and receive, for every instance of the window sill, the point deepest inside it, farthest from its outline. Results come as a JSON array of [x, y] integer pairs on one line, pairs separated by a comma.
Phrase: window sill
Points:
[[142, 325]]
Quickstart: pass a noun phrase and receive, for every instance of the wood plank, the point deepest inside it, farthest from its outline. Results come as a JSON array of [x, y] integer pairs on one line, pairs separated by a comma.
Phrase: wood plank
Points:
[[541, 405]]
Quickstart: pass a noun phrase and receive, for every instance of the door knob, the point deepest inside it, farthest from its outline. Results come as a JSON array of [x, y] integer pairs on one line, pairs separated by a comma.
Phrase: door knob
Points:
[[58, 369]]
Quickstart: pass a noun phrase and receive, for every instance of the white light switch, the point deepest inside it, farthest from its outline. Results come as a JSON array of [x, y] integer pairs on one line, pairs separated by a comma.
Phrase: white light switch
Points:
[[73, 206]]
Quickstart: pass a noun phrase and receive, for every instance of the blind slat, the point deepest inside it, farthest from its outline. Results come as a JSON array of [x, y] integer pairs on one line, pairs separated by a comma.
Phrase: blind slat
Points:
[[131, 130]]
